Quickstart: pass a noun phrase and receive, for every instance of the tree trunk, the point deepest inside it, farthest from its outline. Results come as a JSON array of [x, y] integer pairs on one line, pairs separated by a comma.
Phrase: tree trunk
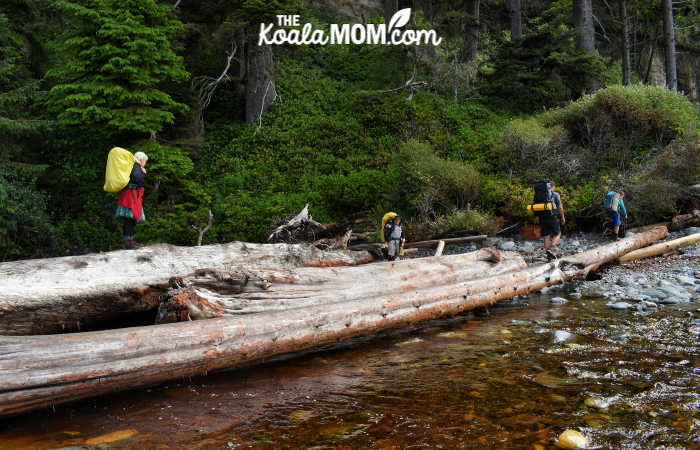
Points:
[[583, 21], [260, 79], [390, 8], [44, 296], [39, 371], [472, 49], [585, 39], [428, 10], [669, 45], [516, 27], [626, 67], [660, 249]]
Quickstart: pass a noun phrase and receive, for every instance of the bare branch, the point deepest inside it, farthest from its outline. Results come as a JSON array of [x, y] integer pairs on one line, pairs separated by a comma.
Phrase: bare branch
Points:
[[200, 231], [207, 85], [262, 103], [410, 85]]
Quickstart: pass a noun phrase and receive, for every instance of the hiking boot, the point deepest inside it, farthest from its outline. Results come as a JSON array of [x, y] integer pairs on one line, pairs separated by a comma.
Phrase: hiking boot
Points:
[[131, 244]]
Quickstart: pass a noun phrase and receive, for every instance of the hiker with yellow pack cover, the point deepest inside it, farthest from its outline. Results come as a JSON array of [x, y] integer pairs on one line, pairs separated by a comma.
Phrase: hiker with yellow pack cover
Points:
[[395, 236], [126, 174]]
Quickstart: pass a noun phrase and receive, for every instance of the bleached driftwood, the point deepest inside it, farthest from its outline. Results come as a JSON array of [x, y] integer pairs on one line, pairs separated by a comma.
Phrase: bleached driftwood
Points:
[[53, 295], [685, 221], [38, 371], [661, 248], [209, 294]]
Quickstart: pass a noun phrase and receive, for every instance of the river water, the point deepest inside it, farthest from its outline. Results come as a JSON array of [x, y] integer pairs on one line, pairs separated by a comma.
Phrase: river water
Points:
[[624, 380]]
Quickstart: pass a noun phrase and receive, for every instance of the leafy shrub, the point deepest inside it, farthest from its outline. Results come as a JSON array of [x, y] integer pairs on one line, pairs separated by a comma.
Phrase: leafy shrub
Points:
[[622, 124], [540, 152], [428, 184], [662, 186], [467, 219]]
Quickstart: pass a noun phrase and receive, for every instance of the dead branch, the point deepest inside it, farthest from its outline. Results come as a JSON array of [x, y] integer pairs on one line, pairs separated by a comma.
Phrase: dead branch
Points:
[[409, 85], [200, 231], [206, 86]]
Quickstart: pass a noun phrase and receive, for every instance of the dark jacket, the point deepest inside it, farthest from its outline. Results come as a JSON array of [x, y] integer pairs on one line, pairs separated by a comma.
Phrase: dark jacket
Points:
[[389, 228], [137, 178]]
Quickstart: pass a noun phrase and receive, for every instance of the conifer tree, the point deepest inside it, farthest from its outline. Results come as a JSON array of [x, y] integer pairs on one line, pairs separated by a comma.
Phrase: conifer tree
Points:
[[116, 56]]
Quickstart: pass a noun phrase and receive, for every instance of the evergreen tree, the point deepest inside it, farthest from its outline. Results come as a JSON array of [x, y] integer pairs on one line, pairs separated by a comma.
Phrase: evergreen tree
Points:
[[117, 54]]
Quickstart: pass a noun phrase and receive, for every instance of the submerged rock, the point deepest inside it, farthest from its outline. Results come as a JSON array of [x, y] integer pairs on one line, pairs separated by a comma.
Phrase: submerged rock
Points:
[[508, 246], [519, 322], [527, 247], [561, 336], [571, 439], [686, 281], [621, 337], [575, 295], [654, 293], [620, 305], [558, 300]]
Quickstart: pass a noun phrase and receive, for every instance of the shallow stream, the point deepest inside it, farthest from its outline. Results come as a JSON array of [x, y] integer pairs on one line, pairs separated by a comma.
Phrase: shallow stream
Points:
[[623, 379]]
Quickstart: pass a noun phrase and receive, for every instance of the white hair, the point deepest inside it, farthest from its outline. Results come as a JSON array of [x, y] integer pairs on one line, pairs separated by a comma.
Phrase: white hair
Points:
[[140, 156]]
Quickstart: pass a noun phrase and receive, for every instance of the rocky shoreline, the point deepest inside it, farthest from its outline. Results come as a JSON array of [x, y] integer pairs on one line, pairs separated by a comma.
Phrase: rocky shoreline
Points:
[[640, 286]]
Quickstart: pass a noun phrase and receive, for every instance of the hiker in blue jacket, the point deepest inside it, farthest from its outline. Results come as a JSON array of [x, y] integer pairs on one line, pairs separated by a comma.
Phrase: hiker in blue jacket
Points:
[[615, 205]]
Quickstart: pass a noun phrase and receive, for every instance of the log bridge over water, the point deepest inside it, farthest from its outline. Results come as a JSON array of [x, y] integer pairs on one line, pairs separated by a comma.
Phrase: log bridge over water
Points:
[[258, 301]]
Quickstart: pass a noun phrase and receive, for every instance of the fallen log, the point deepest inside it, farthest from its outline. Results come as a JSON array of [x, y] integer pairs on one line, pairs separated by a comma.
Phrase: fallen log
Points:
[[685, 221], [37, 371], [54, 295], [648, 227], [377, 246], [434, 242], [661, 248], [440, 248], [210, 294]]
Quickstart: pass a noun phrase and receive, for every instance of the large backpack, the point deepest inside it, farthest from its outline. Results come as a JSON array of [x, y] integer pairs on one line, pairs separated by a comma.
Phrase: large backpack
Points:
[[387, 217], [610, 201], [542, 201], [120, 162]]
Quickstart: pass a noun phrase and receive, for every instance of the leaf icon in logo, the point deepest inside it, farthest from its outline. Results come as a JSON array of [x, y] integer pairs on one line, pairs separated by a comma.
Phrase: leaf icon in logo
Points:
[[400, 19]]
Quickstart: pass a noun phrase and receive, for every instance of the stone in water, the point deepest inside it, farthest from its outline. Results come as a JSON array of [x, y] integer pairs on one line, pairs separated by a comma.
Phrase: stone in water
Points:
[[571, 439]]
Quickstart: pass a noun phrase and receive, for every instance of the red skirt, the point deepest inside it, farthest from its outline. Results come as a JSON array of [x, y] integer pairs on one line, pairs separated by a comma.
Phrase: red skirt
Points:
[[132, 199]]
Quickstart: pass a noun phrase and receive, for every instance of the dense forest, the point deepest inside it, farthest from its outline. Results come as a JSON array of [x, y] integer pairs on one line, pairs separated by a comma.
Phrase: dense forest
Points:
[[594, 94]]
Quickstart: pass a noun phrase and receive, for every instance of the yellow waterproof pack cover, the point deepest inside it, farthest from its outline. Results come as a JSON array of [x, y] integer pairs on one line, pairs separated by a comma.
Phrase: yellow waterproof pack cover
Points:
[[387, 217], [120, 162], [539, 207]]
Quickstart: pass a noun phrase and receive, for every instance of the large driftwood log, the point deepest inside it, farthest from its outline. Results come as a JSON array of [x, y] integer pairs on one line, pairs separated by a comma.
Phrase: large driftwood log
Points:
[[37, 371], [54, 295], [661, 248], [208, 294], [376, 247], [685, 221], [648, 227]]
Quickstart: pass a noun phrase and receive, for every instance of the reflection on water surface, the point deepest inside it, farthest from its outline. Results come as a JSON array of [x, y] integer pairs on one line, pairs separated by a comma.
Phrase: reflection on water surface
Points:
[[624, 380]]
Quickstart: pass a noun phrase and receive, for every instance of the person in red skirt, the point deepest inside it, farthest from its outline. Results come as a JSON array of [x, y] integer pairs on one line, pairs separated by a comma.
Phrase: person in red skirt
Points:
[[130, 202]]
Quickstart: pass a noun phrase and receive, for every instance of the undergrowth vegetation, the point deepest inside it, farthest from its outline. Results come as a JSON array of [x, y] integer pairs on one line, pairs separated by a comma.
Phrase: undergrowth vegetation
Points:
[[459, 155]]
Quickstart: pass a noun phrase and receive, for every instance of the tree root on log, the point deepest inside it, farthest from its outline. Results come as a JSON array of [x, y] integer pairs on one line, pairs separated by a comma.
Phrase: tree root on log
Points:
[[301, 228]]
